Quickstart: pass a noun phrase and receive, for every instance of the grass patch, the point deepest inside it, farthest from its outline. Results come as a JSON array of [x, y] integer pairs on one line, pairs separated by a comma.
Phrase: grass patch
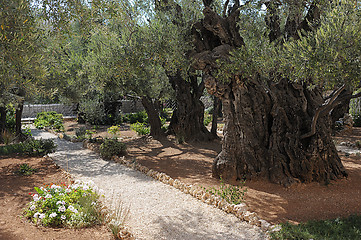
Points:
[[339, 228]]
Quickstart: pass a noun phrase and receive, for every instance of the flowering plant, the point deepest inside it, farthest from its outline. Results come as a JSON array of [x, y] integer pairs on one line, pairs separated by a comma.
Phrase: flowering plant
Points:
[[75, 205]]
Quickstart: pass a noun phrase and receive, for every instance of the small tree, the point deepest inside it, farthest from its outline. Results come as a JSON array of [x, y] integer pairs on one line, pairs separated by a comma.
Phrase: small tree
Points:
[[21, 69]]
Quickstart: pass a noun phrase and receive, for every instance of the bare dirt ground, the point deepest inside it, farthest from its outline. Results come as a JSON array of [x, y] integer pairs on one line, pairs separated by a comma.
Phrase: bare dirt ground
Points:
[[192, 162], [14, 195]]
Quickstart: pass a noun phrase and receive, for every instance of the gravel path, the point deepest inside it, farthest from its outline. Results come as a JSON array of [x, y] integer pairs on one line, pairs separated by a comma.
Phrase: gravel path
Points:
[[157, 211]]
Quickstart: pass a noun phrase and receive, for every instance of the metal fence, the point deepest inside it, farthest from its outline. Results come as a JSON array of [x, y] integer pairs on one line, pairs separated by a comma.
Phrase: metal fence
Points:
[[31, 110], [69, 111]]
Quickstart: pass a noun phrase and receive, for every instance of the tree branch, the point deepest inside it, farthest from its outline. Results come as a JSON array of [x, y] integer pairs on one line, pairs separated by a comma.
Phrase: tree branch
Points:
[[323, 108], [225, 6]]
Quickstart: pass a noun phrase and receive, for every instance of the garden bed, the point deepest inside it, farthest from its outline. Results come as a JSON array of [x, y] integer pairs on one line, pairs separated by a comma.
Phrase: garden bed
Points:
[[14, 192]]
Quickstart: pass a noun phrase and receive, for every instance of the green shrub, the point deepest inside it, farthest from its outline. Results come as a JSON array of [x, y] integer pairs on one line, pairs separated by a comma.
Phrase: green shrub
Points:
[[25, 170], [140, 117], [93, 111], [140, 128], [112, 147], [230, 193], [207, 119], [74, 206], [50, 119], [113, 130], [166, 113], [83, 133], [30, 147]]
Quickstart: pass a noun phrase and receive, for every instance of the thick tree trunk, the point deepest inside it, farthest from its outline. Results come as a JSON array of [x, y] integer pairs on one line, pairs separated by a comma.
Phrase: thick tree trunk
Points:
[[216, 107], [153, 117], [18, 114], [263, 135], [2, 121], [268, 131], [188, 119]]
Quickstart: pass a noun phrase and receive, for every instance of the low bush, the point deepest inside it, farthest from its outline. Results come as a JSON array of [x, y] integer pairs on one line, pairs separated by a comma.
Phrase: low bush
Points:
[[83, 133], [140, 128], [30, 147], [114, 131], [25, 170], [112, 147], [140, 117], [75, 206], [50, 119], [207, 119]]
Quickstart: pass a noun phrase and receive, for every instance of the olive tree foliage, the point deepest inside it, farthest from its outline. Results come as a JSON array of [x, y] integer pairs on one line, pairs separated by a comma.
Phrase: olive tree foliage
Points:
[[21, 68], [271, 62], [120, 59]]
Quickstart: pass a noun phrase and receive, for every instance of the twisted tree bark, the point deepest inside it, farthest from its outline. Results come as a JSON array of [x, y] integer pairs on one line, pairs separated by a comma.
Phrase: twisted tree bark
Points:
[[265, 119]]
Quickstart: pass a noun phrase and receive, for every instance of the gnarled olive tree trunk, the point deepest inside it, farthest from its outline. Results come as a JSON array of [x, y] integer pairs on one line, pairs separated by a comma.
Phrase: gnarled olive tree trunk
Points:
[[270, 129], [187, 120], [152, 110], [2, 121]]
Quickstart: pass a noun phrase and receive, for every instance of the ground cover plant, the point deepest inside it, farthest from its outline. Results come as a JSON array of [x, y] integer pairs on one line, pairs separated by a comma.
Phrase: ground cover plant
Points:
[[339, 228], [25, 170], [75, 205], [232, 194], [30, 147]]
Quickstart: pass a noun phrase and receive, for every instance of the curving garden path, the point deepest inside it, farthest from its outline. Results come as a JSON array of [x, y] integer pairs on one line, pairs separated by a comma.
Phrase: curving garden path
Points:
[[156, 210]]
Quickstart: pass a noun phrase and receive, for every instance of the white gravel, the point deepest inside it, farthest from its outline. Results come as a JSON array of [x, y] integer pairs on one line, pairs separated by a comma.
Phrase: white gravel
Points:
[[157, 211]]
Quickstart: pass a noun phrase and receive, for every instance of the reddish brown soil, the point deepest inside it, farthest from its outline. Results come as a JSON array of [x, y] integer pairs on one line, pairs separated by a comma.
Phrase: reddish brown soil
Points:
[[14, 196], [192, 163]]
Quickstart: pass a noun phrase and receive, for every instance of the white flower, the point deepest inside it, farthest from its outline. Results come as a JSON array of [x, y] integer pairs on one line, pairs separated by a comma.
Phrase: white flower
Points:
[[36, 197], [71, 208], [53, 215], [60, 202], [61, 209], [85, 187], [48, 196], [32, 207], [68, 190], [61, 194], [36, 215], [77, 181], [41, 215], [63, 217], [74, 186], [55, 186]]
